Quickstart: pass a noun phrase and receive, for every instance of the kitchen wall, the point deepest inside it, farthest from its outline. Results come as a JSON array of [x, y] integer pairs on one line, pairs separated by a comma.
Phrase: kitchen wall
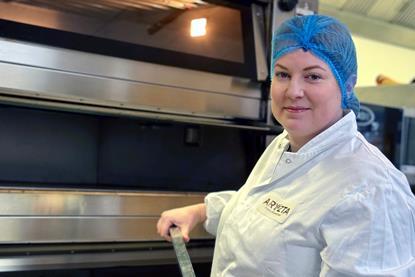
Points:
[[376, 58]]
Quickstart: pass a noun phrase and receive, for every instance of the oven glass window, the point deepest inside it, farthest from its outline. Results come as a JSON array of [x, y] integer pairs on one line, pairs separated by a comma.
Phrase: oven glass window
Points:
[[148, 30]]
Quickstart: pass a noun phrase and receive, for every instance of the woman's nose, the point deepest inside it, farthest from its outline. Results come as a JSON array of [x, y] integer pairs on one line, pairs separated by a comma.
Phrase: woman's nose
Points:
[[295, 89]]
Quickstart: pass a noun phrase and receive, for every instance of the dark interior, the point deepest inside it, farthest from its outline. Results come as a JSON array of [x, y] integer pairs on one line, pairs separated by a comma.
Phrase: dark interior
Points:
[[62, 149]]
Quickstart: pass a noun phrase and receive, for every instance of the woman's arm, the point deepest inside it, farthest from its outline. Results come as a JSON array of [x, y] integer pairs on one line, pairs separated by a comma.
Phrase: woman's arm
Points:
[[370, 233]]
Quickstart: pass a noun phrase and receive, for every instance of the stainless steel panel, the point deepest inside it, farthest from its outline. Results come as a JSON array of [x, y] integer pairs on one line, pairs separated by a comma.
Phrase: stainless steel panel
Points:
[[259, 35], [92, 260], [90, 203], [57, 85], [71, 61], [58, 229], [15, 98], [41, 216]]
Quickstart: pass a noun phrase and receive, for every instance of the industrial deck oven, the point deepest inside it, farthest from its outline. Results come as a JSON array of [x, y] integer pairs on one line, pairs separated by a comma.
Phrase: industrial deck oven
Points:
[[110, 113]]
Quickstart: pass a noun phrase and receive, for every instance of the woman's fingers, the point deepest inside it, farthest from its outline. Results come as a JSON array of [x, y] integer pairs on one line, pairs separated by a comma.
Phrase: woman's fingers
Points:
[[185, 218], [163, 226], [185, 233]]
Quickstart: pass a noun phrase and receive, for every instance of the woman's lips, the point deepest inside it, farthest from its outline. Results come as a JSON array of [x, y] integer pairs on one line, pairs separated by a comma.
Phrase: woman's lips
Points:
[[292, 109]]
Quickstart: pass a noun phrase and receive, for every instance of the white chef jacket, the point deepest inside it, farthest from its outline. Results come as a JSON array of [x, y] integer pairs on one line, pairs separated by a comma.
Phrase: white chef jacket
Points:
[[337, 207]]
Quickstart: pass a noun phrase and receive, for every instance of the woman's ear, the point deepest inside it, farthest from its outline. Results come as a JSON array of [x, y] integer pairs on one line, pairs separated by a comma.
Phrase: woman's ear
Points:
[[350, 83]]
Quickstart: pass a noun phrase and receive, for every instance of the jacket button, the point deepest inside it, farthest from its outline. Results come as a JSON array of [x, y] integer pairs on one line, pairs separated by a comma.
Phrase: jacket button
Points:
[[288, 161]]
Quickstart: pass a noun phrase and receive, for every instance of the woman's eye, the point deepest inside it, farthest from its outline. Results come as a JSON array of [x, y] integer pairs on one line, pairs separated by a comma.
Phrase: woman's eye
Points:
[[313, 77], [281, 75]]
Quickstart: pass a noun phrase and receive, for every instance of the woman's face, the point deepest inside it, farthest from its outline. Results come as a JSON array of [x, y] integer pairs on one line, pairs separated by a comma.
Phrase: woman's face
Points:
[[306, 98]]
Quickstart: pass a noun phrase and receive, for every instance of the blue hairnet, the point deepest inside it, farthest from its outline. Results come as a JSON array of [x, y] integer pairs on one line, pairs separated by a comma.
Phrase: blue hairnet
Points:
[[327, 39]]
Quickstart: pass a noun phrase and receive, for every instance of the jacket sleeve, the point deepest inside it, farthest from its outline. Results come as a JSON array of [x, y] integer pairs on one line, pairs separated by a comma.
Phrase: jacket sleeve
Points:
[[215, 202], [370, 233]]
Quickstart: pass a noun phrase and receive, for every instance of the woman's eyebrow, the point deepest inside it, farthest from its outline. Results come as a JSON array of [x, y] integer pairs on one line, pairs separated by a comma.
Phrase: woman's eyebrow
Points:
[[314, 67], [280, 65]]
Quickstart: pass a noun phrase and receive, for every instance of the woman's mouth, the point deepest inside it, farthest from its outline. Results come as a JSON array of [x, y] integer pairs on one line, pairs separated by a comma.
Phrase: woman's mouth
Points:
[[295, 109]]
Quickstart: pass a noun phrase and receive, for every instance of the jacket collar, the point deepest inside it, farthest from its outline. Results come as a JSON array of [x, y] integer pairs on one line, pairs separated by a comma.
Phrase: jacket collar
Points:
[[345, 128]]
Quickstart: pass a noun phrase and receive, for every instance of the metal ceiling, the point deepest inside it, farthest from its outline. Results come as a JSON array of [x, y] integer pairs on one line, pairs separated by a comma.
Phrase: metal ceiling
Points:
[[391, 21], [399, 12]]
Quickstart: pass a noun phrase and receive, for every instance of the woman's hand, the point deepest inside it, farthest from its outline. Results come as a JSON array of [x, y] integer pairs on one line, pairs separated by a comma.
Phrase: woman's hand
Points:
[[186, 218]]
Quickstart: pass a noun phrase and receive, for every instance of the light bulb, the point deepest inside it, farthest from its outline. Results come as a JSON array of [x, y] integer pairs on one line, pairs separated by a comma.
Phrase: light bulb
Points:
[[198, 27]]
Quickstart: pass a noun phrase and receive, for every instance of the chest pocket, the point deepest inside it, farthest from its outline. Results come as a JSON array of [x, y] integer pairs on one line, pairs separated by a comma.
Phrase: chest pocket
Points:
[[254, 230]]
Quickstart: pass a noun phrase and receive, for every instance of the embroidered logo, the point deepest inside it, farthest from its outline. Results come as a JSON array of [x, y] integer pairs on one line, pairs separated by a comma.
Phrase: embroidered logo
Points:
[[274, 207]]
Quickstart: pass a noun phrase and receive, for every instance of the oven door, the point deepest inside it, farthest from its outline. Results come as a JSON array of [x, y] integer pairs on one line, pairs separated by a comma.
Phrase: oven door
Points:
[[147, 30]]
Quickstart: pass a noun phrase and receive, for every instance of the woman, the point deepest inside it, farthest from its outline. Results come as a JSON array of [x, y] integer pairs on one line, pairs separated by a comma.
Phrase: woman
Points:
[[321, 201]]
